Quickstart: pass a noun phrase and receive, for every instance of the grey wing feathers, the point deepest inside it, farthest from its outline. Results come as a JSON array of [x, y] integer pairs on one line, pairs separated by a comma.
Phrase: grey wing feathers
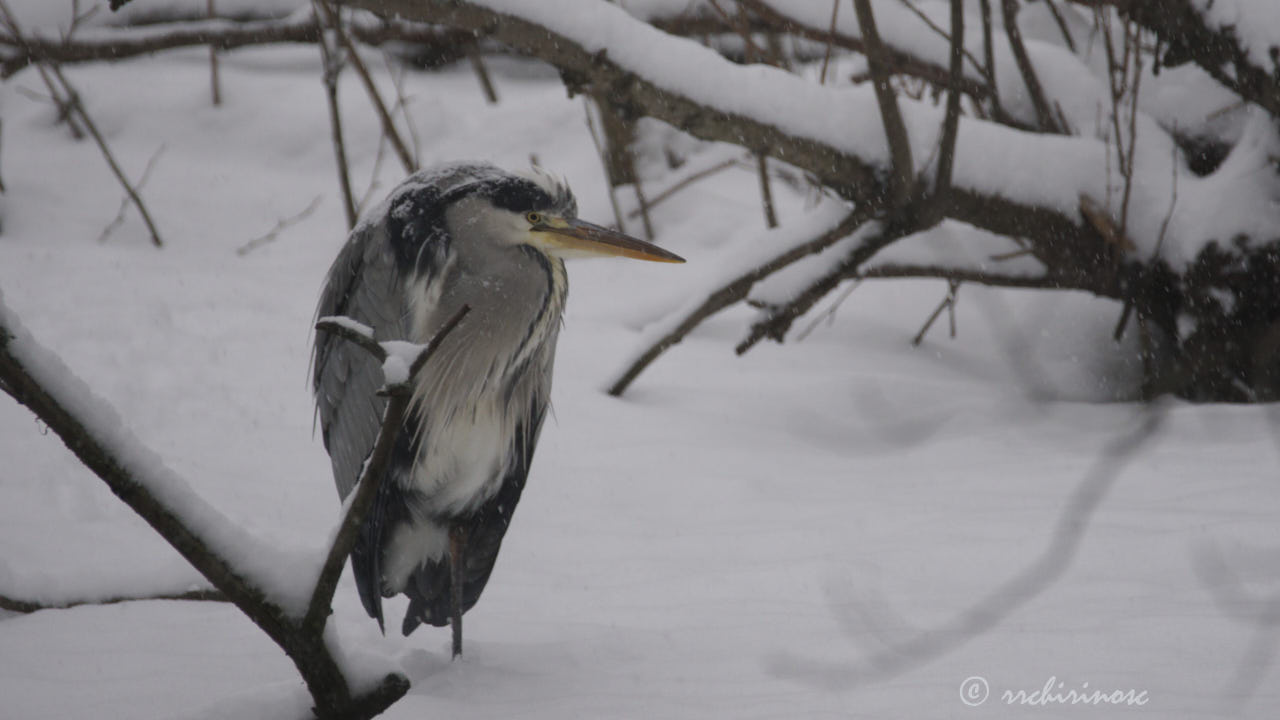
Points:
[[361, 285]]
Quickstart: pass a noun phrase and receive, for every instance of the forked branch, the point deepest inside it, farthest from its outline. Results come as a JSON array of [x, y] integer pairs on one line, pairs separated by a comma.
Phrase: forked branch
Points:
[[398, 396]]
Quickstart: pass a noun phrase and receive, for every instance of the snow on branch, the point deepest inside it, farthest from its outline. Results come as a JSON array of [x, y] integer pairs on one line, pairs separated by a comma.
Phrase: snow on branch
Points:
[[267, 585], [1211, 34], [838, 138], [116, 43]]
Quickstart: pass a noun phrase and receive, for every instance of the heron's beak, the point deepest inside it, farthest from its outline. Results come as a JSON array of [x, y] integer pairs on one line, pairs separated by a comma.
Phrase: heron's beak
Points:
[[569, 237]]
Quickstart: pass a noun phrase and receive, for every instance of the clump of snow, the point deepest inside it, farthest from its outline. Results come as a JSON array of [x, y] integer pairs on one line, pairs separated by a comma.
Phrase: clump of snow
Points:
[[400, 357]]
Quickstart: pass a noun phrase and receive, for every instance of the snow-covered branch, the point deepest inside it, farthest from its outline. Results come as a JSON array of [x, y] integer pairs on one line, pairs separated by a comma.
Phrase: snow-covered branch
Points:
[[250, 573], [1212, 35], [117, 43]]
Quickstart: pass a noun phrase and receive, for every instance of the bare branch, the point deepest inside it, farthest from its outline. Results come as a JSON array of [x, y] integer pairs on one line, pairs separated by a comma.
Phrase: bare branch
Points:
[[903, 170], [901, 60], [604, 161], [988, 51], [1062, 25], [766, 192], [115, 463], [778, 320], [951, 122], [332, 62], [948, 303], [482, 74], [1044, 114], [685, 182], [334, 20], [734, 291], [831, 38], [25, 607], [215, 86], [221, 35], [124, 203], [74, 104], [1218, 51], [375, 466], [949, 37], [261, 240], [960, 275]]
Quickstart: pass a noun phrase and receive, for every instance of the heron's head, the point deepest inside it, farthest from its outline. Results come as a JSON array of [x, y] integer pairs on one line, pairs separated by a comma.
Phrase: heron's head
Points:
[[537, 209]]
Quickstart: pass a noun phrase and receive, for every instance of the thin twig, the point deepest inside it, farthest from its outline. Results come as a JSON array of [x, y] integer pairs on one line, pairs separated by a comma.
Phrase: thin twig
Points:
[[1044, 115], [397, 73], [830, 313], [777, 322], [366, 489], [124, 202], [831, 40], [989, 53], [87, 121], [482, 74], [643, 207], [951, 122], [334, 20], [604, 161], [75, 106], [949, 37], [1136, 54], [685, 182], [215, 86], [734, 291], [766, 192], [332, 67], [272, 234], [948, 303], [1062, 25], [743, 30], [26, 607], [116, 43]]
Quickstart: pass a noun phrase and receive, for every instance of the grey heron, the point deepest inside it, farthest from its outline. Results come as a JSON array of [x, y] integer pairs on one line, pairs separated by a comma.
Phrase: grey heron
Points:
[[457, 234]]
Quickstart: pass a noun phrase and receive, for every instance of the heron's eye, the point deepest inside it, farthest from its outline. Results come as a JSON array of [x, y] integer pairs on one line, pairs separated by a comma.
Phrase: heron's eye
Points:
[[533, 218]]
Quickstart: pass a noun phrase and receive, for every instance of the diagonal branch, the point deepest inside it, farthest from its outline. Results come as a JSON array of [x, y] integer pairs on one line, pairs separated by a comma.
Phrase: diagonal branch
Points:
[[895, 132], [903, 60], [777, 321], [35, 378], [734, 291], [1044, 114], [399, 396], [13, 604], [333, 21]]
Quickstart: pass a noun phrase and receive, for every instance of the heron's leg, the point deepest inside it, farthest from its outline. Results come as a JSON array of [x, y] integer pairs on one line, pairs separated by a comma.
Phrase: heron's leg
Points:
[[457, 559]]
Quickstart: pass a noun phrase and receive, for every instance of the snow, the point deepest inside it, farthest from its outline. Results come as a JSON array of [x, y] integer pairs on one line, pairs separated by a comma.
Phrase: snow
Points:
[[1254, 24], [400, 357], [267, 567], [735, 537]]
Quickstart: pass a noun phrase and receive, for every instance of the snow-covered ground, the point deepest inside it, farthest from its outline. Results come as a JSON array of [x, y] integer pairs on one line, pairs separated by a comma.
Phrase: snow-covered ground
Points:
[[735, 537]]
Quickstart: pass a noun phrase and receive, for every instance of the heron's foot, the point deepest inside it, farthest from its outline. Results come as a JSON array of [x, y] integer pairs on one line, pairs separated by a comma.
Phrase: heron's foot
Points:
[[457, 560]]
